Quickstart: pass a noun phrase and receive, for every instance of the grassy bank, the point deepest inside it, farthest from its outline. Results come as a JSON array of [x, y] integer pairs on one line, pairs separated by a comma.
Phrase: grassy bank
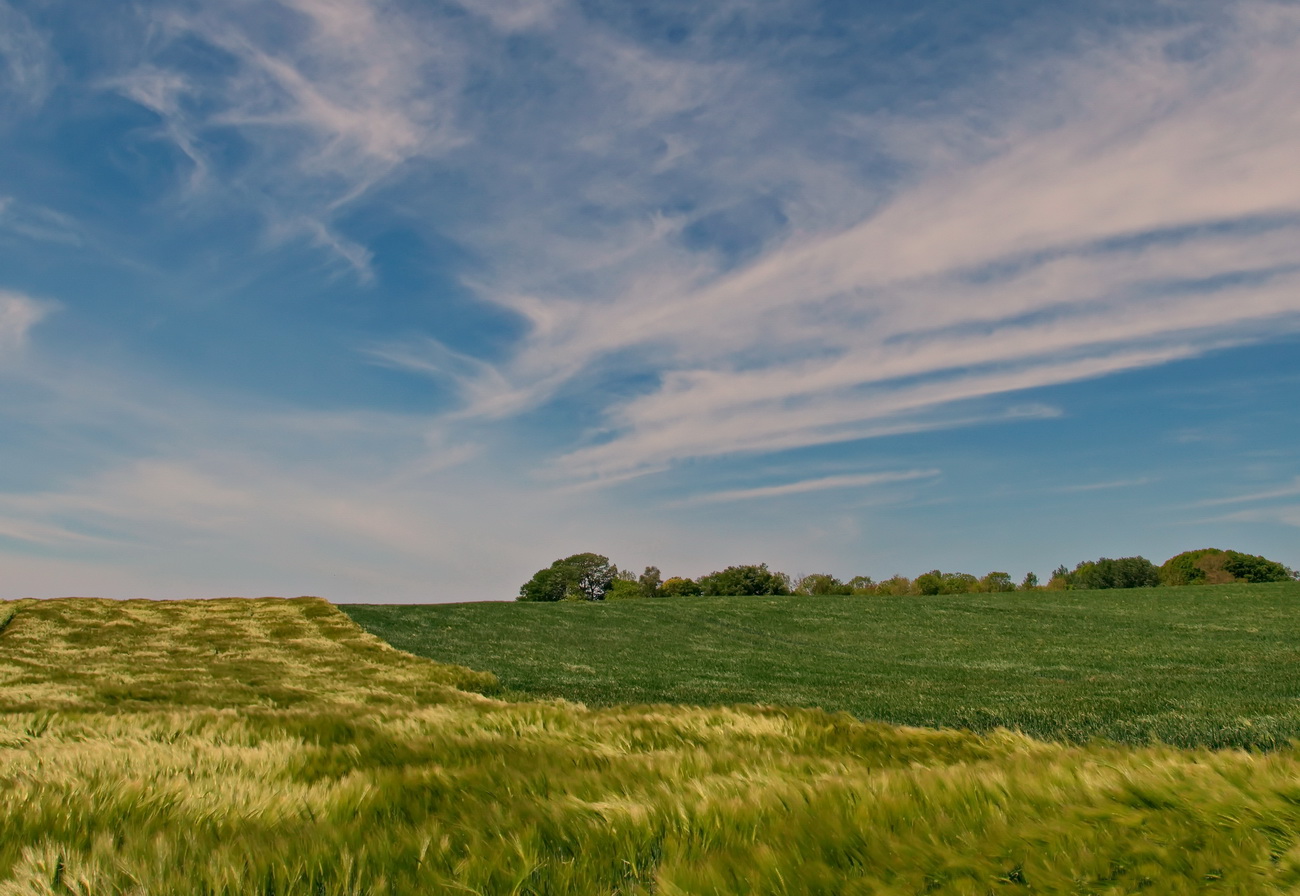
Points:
[[272, 747], [1202, 666]]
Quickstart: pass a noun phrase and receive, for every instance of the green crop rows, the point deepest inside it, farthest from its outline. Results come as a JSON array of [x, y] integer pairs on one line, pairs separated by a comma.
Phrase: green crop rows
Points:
[[1212, 666]]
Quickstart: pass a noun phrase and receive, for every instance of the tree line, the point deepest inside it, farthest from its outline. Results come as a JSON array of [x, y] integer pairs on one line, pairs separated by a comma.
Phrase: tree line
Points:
[[592, 577]]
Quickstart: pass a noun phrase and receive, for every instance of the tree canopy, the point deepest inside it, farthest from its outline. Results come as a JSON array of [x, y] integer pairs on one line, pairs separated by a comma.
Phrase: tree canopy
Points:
[[822, 583], [1212, 566], [680, 587], [591, 577], [745, 580], [577, 577], [1126, 572]]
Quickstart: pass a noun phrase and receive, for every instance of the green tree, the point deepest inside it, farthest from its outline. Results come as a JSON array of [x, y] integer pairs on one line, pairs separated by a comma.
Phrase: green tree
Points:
[[745, 580], [936, 582], [1212, 566], [928, 583], [650, 582], [1125, 572], [1204, 566], [862, 585], [1256, 569], [1030, 582], [895, 584], [680, 587], [548, 584], [822, 583], [996, 582], [1060, 580], [960, 583], [577, 577], [624, 589]]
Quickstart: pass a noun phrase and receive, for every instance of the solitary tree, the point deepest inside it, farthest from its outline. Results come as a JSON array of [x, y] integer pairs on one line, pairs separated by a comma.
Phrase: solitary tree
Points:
[[578, 577]]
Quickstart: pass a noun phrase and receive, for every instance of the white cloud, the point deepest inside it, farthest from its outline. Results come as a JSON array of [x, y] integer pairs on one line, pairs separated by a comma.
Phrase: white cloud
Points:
[[35, 222], [1154, 219], [1286, 491], [27, 64], [825, 483], [516, 15], [18, 314], [1103, 486], [356, 92], [1129, 209], [1285, 515]]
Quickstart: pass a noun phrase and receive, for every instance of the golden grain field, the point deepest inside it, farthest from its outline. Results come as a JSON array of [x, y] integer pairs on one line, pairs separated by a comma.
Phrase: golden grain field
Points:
[[272, 747]]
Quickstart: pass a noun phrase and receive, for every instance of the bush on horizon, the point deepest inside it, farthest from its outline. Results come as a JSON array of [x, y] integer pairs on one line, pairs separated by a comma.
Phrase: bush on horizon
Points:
[[592, 577]]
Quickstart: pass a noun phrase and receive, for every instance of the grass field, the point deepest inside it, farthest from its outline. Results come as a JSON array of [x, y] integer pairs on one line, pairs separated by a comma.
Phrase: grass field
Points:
[[1211, 666], [272, 747]]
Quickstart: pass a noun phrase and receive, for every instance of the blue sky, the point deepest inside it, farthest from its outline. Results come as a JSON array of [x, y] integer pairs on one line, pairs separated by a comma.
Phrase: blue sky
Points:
[[402, 301]]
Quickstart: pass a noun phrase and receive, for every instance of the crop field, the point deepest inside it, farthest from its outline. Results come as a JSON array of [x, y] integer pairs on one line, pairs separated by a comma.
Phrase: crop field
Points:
[[1200, 666], [273, 747]]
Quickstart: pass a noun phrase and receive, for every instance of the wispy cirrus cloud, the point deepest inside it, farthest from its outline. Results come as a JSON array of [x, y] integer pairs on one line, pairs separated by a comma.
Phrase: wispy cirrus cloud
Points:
[[692, 237], [1284, 491], [1104, 486], [1283, 514], [327, 98], [1143, 210], [34, 222], [841, 482], [28, 67]]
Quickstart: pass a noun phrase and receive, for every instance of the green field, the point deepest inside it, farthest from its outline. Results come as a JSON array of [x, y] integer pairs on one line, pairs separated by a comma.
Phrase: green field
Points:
[[1210, 666], [273, 747]]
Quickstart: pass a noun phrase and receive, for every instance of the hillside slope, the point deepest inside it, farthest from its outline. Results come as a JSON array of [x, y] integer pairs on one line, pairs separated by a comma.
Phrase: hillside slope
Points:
[[271, 747]]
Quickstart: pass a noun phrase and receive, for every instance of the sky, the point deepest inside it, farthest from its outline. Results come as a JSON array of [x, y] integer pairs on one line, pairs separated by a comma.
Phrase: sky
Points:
[[402, 301]]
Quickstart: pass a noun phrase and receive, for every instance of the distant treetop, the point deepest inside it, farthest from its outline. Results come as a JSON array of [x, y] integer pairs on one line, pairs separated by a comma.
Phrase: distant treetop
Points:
[[1212, 566], [746, 580]]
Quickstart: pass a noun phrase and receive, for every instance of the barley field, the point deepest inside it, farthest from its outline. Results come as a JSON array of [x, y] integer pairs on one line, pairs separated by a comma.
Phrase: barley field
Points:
[[274, 747]]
